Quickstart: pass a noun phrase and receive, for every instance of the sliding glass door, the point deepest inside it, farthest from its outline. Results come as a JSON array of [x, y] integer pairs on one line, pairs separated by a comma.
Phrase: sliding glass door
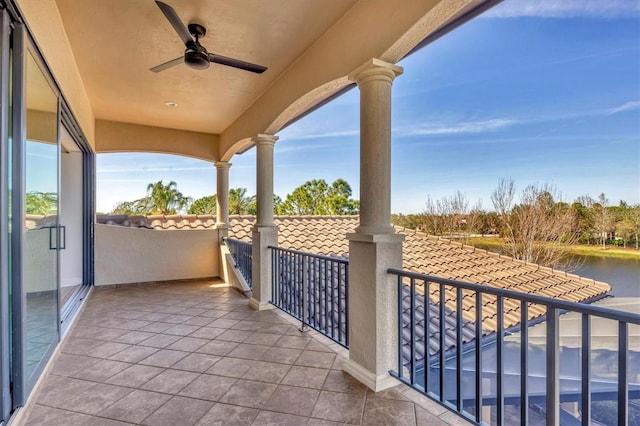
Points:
[[37, 236], [43, 236]]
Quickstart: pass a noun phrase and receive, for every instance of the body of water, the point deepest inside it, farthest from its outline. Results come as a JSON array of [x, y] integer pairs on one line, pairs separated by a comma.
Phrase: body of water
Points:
[[623, 275]]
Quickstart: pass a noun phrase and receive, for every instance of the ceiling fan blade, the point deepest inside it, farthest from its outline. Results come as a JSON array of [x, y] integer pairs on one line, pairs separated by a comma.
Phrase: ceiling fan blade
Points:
[[169, 64], [236, 63], [175, 22]]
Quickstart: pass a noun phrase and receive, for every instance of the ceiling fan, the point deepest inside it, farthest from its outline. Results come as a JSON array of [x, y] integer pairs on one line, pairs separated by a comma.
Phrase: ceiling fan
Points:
[[195, 55]]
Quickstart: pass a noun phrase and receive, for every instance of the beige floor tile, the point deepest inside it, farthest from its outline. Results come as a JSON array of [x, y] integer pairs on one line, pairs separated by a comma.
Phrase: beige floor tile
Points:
[[266, 372], [136, 406], [198, 363], [134, 354], [229, 415], [208, 387], [269, 418], [316, 359], [293, 400], [188, 344], [170, 381], [309, 377], [164, 358], [249, 393], [339, 381], [179, 411], [339, 407], [382, 412], [135, 376]]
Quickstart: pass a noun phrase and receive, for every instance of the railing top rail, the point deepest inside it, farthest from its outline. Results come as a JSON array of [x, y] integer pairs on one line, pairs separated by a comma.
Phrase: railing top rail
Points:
[[233, 240], [317, 256], [600, 311]]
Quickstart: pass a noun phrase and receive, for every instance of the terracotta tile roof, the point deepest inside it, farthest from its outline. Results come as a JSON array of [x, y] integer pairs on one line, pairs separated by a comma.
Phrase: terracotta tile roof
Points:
[[314, 234], [168, 222], [442, 258]]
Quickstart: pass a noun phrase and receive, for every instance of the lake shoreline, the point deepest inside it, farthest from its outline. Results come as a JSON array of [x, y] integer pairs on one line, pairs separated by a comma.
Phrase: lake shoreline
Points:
[[496, 243]]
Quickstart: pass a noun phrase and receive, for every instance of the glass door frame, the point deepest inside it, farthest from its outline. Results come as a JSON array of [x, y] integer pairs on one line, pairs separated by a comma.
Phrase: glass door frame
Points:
[[23, 46], [71, 306], [5, 177]]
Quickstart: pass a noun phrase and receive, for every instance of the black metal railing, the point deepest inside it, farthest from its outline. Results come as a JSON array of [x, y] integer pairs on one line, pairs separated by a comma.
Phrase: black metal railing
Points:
[[453, 354], [314, 289], [241, 253]]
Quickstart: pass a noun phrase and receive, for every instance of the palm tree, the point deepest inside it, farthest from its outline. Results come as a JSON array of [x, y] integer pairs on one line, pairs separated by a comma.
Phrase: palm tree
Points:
[[166, 199], [239, 203]]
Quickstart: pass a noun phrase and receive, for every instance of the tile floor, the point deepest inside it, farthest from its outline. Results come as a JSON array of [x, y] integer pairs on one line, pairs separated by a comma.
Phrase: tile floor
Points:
[[194, 353]]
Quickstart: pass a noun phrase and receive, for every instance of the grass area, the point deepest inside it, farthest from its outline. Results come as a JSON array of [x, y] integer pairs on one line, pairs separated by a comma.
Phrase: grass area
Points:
[[494, 244]]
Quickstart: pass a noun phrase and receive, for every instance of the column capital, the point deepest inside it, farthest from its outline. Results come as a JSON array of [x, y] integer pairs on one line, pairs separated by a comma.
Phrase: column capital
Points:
[[375, 69], [222, 165], [264, 139]]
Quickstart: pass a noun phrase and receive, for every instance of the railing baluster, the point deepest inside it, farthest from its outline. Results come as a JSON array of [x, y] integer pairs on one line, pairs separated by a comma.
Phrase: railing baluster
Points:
[[305, 292], [333, 306], [427, 334], [326, 300], [524, 363], [459, 349], [478, 348], [339, 301], [586, 370], [412, 327], [241, 254], [442, 343], [346, 303], [274, 277], [500, 361], [299, 285], [400, 327], [623, 378], [553, 364]]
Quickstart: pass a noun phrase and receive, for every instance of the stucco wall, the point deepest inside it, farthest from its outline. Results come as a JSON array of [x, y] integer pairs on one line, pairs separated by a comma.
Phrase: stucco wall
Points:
[[132, 255]]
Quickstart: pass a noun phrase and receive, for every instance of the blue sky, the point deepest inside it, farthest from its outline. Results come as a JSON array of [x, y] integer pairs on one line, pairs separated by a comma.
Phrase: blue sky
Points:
[[538, 91]]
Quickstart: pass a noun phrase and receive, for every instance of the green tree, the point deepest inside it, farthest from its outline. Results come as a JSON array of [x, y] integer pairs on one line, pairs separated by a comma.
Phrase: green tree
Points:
[[136, 207], [240, 203], [316, 197], [339, 201], [204, 205], [631, 222], [538, 230], [166, 199], [41, 203], [603, 219], [585, 223]]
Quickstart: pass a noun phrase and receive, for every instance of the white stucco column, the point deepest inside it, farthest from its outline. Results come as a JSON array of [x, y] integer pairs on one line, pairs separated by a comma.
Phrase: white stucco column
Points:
[[265, 232], [222, 194], [374, 247]]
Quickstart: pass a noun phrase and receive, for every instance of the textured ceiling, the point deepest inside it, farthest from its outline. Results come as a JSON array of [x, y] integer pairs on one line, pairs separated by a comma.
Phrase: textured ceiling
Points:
[[115, 42]]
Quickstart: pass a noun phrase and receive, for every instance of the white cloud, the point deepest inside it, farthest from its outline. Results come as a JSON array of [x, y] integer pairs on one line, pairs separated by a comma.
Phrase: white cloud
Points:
[[627, 106], [455, 128], [322, 135], [565, 9], [153, 169]]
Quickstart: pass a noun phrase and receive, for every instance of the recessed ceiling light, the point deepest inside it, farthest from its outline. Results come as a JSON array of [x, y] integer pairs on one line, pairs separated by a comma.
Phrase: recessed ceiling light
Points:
[[170, 104]]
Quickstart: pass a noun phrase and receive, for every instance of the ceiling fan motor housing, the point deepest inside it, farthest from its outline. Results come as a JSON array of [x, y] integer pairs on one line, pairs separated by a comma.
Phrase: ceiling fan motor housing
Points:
[[196, 58]]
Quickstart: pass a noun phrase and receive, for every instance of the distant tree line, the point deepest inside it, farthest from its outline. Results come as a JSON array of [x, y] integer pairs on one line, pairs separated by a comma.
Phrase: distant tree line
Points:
[[537, 227], [315, 197]]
